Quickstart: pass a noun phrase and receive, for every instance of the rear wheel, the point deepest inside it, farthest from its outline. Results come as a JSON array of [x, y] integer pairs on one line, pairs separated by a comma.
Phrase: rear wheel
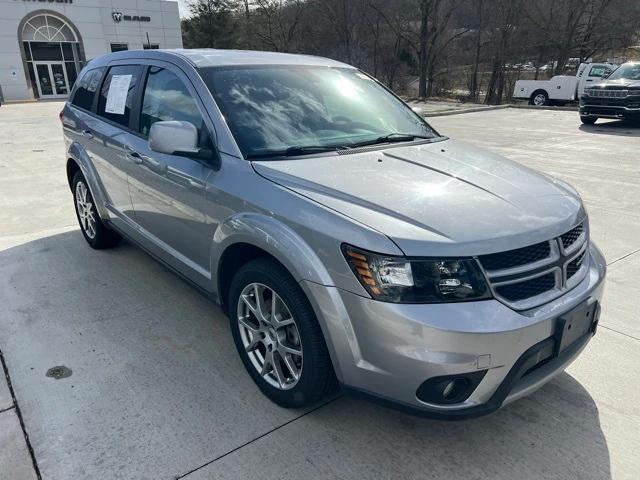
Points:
[[539, 98], [588, 120], [95, 232], [277, 335]]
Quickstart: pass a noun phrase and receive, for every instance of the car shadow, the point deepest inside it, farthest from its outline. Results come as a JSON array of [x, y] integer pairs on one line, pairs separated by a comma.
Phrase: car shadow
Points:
[[158, 389], [614, 127], [553, 433]]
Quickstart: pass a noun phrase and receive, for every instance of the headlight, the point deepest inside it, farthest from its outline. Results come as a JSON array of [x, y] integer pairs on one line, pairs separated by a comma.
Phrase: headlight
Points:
[[408, 280]]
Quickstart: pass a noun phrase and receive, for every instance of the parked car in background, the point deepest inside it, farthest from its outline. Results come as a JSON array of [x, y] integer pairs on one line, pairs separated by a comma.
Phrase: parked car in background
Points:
[[616, 96], [345, 238], [561, 88]]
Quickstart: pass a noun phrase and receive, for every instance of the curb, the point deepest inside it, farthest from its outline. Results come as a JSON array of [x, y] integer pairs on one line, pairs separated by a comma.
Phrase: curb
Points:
[[550, 107], [444, 113]]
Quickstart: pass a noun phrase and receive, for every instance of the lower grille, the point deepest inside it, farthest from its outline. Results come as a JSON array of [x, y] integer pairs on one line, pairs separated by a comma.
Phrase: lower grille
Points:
[[529, 288]]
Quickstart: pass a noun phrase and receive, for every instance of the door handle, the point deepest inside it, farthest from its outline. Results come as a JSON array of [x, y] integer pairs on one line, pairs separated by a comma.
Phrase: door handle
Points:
[[135, 157], [132, 155], [153, 163], [87, 133]]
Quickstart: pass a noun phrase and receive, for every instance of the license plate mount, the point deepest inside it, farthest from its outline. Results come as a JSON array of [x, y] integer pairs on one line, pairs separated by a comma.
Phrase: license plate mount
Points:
[[576, 323]]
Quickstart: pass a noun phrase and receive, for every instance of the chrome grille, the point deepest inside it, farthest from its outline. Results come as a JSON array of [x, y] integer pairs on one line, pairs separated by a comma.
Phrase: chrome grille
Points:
[[604, 93], [530, 276]]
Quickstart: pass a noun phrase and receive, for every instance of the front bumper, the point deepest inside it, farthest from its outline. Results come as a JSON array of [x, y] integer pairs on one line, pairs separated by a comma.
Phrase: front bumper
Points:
[[610, 108], [387, 350]]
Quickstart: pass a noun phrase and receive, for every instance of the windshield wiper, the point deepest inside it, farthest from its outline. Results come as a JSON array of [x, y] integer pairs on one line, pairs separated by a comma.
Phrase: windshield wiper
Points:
[[311, 149], [392, 137], [297, 150]]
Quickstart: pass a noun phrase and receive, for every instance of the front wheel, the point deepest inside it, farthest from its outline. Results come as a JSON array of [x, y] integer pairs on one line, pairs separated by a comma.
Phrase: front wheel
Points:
[[95, 232], [588, 120], [277, 335], [539, 98]]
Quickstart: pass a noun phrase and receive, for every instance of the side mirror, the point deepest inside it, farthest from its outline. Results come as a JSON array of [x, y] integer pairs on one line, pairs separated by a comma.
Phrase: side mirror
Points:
[[174, 138], [418, 110]]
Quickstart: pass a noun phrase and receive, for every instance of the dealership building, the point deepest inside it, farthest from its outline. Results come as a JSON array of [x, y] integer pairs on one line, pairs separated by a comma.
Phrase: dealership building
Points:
[[45, 43]]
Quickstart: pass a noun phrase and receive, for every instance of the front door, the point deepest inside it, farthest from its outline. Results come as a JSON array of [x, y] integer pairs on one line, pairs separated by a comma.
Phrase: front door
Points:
[[51, 78], [167, 191]]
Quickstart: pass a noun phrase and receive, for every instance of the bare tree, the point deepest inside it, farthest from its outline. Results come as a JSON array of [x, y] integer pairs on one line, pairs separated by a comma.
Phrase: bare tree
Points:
[[504, 18], [473, 86], [446, 44], [280, 20]]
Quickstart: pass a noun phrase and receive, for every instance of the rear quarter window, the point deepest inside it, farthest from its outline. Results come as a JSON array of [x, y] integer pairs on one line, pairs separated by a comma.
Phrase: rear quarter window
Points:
[[86, 89]]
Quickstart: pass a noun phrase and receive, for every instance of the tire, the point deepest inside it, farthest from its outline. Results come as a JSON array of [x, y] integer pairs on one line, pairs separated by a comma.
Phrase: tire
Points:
[[539, 98], [588, 120], [95, 232], [278, 381]]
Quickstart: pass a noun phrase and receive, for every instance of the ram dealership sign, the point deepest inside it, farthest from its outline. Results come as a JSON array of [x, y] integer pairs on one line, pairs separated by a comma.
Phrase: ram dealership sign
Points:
[[119, 17]]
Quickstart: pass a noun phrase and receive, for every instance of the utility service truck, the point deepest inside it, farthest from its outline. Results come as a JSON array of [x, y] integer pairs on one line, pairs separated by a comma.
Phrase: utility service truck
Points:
[[561, 88]]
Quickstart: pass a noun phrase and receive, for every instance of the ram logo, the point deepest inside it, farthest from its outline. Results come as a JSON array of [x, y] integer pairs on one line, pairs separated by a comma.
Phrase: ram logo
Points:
[[117, 16]]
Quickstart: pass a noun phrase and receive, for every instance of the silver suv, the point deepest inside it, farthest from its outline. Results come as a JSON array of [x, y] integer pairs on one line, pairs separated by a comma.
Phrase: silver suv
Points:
[[349, 242]]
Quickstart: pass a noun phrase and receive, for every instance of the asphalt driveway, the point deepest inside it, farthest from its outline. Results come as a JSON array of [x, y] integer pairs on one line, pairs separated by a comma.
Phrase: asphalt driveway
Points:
[[156, 389]]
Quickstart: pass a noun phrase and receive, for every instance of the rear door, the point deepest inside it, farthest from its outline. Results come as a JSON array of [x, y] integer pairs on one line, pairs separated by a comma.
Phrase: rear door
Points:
[[167, 191], [108, 133]]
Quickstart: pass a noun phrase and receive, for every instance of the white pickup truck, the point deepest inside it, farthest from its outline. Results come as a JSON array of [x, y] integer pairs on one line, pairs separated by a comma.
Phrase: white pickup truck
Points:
[[561, 88]]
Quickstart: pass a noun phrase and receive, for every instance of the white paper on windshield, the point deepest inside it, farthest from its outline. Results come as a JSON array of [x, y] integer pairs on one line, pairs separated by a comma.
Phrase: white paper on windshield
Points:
[[117, 94]]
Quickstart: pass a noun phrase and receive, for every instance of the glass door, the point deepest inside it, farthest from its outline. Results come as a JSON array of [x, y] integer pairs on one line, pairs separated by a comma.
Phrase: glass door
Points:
[[59, 76], [43, 79], [51, 78]]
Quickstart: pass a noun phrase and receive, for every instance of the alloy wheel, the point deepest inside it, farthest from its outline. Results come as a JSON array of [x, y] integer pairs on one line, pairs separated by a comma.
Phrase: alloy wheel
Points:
[[540, 99], [86, 212], [270, 336]]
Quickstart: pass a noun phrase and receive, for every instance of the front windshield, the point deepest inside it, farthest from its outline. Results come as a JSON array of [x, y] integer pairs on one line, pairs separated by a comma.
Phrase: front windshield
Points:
[[274, 109], [630, 72]]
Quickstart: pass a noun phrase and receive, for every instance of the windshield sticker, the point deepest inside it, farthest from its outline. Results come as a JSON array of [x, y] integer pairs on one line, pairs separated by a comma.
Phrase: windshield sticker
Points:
[[117, 95]]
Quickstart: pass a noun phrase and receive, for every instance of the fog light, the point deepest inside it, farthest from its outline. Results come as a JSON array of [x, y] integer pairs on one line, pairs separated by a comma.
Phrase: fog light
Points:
[[449, 389], [455, 388]]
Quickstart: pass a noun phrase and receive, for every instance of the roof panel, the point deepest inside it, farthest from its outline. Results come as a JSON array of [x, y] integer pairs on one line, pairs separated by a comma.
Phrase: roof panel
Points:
[[214, 57]]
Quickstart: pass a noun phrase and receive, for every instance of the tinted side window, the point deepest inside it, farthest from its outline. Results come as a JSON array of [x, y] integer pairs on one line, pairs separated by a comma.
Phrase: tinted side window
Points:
[[87, 86], [118, 93], [166, 97]]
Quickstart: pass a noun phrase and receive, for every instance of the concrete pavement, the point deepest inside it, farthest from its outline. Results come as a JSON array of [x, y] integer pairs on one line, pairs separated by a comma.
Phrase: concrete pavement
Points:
[[157, 390]]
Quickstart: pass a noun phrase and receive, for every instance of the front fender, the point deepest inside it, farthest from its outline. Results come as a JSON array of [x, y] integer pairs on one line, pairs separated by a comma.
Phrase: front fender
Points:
[[292, 251], [79, 155], [274, 237]]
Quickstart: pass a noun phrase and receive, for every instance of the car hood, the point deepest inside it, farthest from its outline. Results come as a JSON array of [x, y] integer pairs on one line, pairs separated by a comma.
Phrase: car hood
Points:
[[443, 198]]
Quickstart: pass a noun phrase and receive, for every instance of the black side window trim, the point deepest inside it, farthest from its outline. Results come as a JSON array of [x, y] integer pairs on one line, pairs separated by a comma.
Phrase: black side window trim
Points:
[[94, 105], [134, 119]]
